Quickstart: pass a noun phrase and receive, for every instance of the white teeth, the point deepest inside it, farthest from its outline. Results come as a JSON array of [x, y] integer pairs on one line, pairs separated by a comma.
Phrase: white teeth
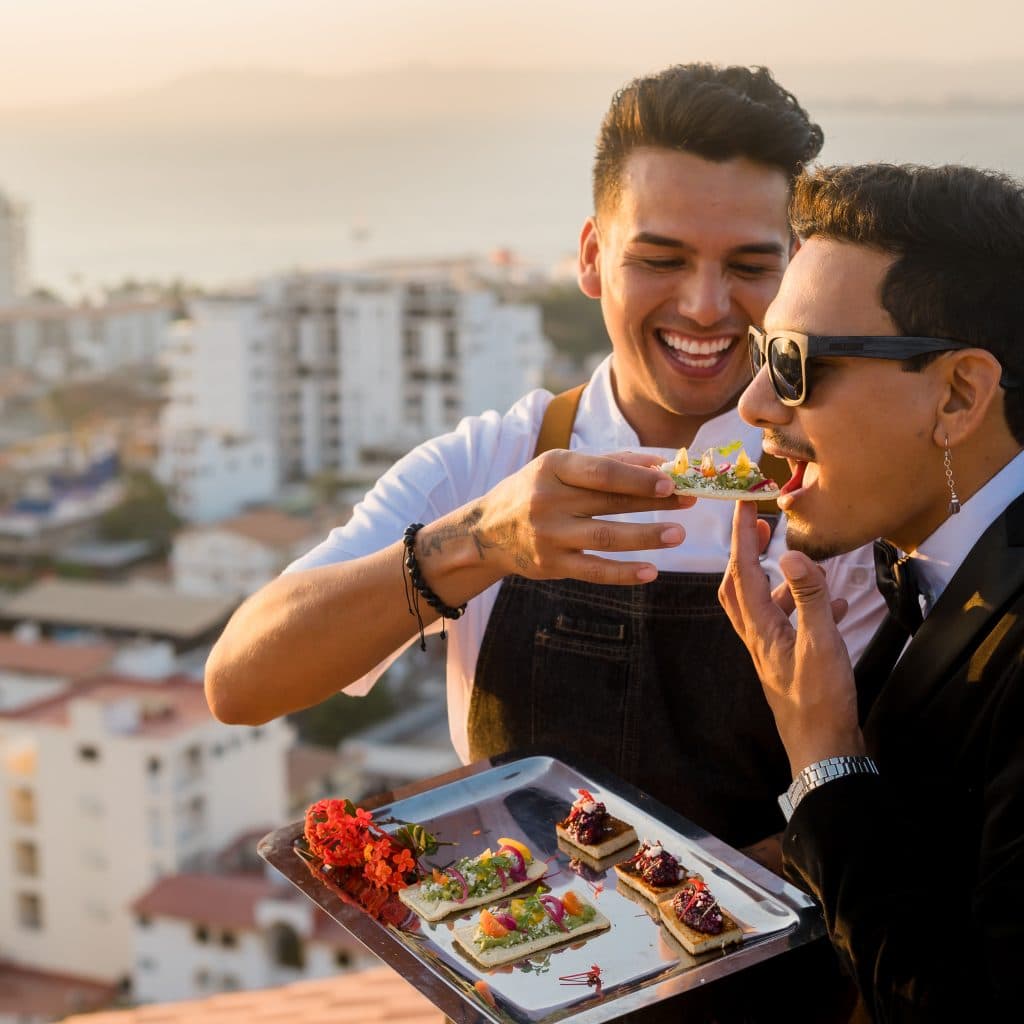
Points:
[[696, 346]]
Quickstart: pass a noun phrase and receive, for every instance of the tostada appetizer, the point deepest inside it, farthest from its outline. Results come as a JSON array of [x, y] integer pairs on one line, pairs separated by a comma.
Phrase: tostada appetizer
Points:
[[473, 881], [652, 871], [713, 477], [502, 935], [695, 919], [590, 828]]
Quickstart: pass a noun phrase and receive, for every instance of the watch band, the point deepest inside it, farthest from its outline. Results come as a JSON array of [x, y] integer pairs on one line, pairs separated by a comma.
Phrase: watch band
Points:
[[820, 772]]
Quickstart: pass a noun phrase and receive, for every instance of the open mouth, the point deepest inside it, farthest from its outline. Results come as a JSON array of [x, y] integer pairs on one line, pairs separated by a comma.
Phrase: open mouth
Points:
[[796, 481], [693, 353]]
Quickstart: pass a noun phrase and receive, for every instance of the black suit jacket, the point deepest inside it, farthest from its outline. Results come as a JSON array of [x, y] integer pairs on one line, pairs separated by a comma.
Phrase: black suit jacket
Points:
[[920, 871]]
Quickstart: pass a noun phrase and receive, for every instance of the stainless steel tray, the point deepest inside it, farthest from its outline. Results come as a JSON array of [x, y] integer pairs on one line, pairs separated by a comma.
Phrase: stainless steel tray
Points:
[[640, 963]]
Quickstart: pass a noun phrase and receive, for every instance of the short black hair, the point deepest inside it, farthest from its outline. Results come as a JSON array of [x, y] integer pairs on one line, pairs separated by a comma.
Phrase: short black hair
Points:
[[718, 113], [957, 235]]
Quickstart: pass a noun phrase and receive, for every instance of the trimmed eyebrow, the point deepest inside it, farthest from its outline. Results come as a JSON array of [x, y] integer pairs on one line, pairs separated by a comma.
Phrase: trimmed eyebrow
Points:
[[750, 248]]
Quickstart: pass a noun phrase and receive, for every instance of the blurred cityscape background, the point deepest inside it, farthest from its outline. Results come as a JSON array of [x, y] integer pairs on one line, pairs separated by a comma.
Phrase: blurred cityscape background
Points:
[[248, 258]]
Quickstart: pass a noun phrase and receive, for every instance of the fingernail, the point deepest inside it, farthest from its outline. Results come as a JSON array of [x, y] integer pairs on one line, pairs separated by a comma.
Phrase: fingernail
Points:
[[664, 487], [646, 574], [671, 535]]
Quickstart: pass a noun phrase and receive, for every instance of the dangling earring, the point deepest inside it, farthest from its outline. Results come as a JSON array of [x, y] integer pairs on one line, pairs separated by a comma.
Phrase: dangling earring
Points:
[[947, 461]]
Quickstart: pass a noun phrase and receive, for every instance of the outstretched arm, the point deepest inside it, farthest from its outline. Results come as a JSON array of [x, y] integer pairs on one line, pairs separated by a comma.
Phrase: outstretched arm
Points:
[[310, 633]]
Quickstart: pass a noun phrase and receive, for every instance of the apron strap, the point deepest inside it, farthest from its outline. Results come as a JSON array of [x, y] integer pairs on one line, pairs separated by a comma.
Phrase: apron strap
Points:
[[559, 416], [556, 432]]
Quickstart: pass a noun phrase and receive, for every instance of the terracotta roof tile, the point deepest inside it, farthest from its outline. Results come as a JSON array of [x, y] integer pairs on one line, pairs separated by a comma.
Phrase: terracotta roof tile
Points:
[[24, 991], [46, 657], [269, 526], [227, 901], [374, 996], [165, 708]]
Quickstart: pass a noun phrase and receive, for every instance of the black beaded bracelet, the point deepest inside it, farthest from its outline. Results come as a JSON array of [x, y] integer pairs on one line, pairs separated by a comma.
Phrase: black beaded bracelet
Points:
[[420, 588]]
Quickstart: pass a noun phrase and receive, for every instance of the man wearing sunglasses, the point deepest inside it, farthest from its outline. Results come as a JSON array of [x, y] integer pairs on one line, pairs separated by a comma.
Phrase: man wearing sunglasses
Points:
[[888, 375]]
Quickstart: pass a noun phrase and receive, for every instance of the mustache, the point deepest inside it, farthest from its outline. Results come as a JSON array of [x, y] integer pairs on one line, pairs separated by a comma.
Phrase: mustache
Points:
[[800, 449]]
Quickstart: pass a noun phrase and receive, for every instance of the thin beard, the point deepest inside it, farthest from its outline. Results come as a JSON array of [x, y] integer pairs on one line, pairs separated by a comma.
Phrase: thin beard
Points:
[[817, 552]]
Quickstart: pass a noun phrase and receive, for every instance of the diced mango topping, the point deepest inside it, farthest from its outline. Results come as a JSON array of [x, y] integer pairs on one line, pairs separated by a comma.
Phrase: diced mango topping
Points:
[[491, 926], [572, 904], [516, 845]]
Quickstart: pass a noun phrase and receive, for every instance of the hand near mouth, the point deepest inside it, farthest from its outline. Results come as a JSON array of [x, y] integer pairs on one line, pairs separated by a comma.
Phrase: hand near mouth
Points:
[[540, 522], [805, 669]]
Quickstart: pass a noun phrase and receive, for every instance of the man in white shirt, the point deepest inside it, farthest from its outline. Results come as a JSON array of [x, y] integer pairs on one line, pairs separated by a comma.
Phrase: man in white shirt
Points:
[[590, 627]]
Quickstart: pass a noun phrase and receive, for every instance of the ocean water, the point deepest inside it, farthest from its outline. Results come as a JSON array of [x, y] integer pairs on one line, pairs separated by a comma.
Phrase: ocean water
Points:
[[221, 206]]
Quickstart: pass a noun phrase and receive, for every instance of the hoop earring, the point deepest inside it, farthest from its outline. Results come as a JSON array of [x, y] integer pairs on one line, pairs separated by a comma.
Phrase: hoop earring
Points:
[[947, 461]]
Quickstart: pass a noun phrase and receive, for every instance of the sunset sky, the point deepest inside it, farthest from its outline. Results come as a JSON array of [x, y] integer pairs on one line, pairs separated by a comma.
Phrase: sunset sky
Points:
[[58, 51]]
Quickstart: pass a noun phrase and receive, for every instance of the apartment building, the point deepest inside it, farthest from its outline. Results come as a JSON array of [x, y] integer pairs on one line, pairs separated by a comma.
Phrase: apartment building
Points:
[[106, 789], [201, 933], [336, 372], [237, 556], [57, 341]]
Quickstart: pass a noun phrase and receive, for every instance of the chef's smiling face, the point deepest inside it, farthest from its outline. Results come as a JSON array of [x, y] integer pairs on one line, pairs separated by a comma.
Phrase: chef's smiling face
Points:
[[684, 258], [861, 446]]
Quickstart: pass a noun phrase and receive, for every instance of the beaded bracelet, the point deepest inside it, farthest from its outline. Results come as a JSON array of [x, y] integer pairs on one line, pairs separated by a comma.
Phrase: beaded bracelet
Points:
[[420, 587]]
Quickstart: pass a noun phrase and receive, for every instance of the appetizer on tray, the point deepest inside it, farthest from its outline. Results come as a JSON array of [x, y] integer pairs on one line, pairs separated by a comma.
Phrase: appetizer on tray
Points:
[[652, 871], [695, 919], [590, 828], [473, 881], [738, 480], [502, 934]]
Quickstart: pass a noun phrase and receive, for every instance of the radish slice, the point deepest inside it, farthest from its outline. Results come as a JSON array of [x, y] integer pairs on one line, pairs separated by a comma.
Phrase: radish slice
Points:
[[502, 877], [506, 920], [518, 873], [556, 910], [461, 879]]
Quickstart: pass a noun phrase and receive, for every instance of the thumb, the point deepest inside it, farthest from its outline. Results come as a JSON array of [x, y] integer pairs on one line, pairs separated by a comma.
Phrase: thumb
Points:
[[807, 587]]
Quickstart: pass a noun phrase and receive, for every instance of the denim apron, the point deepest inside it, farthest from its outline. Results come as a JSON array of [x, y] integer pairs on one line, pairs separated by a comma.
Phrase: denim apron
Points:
[[649, 681]]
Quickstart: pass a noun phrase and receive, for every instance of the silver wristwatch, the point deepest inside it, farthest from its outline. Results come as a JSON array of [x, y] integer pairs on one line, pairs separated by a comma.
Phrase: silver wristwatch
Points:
[[817, 774]]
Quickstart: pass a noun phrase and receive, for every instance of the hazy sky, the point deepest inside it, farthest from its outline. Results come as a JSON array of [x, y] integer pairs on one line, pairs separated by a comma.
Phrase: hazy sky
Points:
[[63, 50]]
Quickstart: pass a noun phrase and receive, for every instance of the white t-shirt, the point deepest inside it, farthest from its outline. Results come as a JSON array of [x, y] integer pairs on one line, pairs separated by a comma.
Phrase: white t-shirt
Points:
[[447, 472]]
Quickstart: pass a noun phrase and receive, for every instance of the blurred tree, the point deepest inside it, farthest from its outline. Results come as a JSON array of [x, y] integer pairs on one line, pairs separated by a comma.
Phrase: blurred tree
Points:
[[326, 724], [143, 514], [571, 321]]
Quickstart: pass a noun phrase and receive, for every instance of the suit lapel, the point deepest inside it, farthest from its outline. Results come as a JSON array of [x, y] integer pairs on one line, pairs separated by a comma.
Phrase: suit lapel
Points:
[[991, 575]]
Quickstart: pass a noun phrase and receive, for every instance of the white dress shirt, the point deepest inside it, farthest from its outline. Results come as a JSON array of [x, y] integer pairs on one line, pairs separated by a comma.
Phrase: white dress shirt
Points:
[[937, 559], [447, 472]]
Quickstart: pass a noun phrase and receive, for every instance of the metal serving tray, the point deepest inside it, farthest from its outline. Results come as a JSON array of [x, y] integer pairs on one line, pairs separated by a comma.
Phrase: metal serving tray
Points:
[[641, 964]]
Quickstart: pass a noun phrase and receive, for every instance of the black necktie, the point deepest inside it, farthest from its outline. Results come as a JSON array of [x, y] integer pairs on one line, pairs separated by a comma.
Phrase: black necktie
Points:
[[897, 584]]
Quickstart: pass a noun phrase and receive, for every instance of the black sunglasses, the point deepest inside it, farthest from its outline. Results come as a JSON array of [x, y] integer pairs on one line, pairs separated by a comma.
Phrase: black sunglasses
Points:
[[786, 354]]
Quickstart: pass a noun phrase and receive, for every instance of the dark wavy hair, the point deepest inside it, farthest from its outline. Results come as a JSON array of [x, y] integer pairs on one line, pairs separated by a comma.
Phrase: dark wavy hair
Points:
[[717, 113], [957, 235]]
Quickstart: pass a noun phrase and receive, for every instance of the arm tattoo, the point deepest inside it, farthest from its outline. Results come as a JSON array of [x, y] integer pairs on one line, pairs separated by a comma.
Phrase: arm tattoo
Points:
[[468, 526]]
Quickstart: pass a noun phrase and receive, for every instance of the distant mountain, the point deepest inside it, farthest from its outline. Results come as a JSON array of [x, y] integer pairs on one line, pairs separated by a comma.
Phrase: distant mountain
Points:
[[244, 99]]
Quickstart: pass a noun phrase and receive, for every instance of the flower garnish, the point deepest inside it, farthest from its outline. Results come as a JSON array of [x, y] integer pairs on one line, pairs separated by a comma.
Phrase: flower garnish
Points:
[[345, 837]]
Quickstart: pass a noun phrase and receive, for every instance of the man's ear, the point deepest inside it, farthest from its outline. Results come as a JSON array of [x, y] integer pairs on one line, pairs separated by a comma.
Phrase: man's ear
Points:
[[972, 385], [588, 268]]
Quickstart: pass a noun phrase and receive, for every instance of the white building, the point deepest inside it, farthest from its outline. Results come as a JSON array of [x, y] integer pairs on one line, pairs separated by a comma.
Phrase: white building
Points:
[[33, 670], [201, 933], [57, 341], [210, 474], [13, 251], [237, 556], [340, 372], [107, 789]]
